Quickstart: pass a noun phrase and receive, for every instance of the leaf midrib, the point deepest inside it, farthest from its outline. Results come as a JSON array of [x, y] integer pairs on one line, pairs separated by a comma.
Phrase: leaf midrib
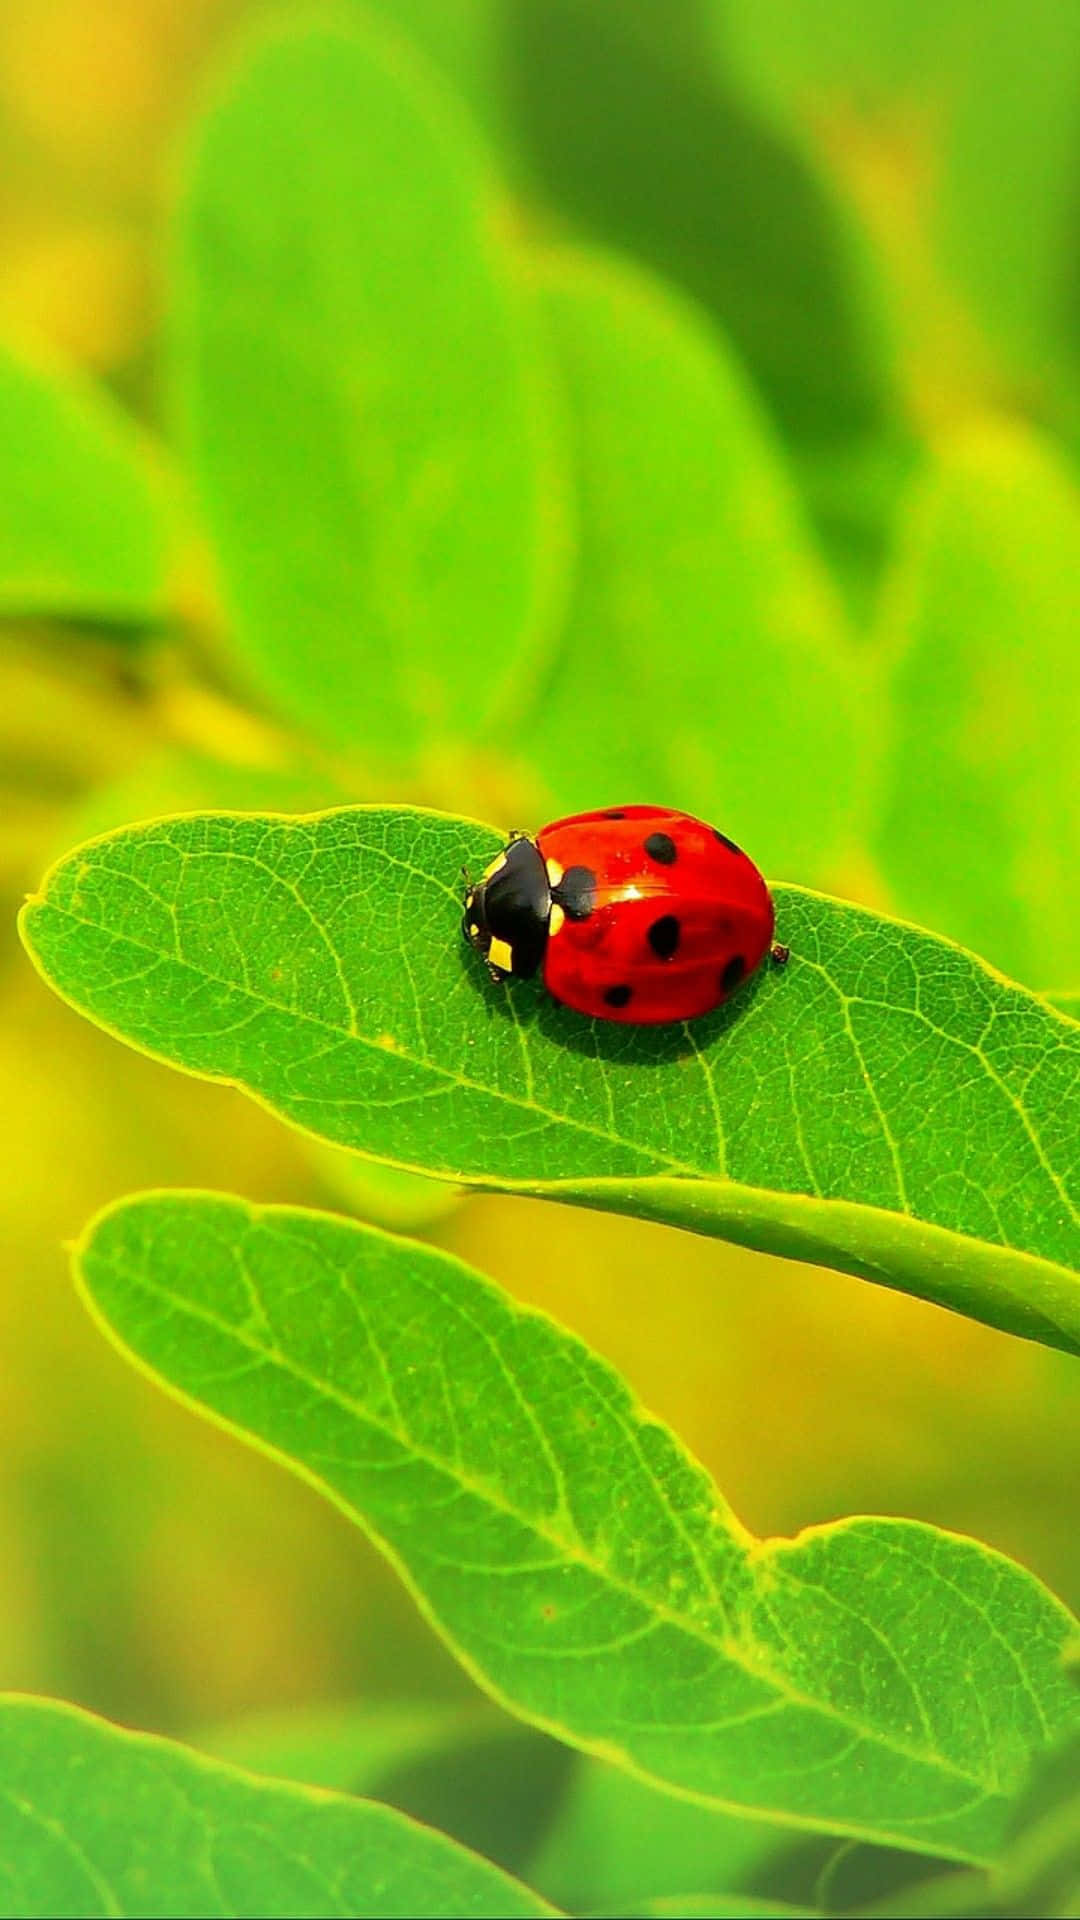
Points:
[[594, 1190], [788, 1694], [341, 1033], [664, 1164]]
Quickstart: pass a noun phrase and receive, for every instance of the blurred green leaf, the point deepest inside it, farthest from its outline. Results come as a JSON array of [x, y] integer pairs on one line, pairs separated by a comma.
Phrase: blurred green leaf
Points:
[[619, 1844], [464, 41], [97, 1821], [347, 1748], [704, 658], [361, 389], [1039, 1870], [170, 779], [963, 119], [631, 130], [885, 1104], [617, 1841], [595, 1836], [84, 522], [875, 1677], [714, 1906], [387, 1195], [853, 493], [469, 1771], [980, 827]]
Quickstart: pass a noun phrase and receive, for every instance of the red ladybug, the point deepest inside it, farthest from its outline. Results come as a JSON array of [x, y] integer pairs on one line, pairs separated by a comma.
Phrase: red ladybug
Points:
[[639, 914]]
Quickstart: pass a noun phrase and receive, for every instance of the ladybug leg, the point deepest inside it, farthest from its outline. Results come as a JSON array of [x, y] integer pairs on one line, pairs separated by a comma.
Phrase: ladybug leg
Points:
[[496, 976], [466, 876], [779, 955], [518, 833]]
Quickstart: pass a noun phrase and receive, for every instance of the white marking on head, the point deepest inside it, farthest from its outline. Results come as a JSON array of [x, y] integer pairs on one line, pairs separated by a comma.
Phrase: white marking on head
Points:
[[499, 861], [500, 955]]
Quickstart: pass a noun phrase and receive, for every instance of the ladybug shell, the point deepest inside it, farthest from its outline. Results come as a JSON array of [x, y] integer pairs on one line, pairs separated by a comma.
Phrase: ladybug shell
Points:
[[656, 916]]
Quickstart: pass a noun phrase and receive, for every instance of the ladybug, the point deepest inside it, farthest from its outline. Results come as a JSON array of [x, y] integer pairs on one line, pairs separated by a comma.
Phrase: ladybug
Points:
[[639, 914]]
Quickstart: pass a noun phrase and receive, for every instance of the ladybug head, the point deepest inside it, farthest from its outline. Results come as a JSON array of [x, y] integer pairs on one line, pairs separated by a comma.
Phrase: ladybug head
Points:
[[507, 912]]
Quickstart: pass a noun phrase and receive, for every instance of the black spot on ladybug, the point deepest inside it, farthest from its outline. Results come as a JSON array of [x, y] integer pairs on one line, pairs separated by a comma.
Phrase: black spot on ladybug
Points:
[[664, 936], [618, 996], [576, 893], [661, 847], [733, 973], [615, 814], [725, 842]]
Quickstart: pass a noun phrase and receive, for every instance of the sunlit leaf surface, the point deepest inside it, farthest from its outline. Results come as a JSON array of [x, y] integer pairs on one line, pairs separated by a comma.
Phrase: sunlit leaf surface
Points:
[[884, 1104], [872, 1676]]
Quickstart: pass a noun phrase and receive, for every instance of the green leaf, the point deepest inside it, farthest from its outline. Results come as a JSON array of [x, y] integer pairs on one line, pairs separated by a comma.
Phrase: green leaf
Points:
[[629, 131], [349, 1747], [618, 1844], [388, 1196], [980, 830], [465, 43], [703, 658], [1039, 1871], [83, 523], [885, 1104], [97, 1821], [715, 1906], [362, 396], [471, 1772], [874, 1676], [968, 112], [616, 1841]]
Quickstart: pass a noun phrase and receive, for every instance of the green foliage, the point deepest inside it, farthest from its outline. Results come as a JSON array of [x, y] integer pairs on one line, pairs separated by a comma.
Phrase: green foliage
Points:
[[356, 375], [696, 578], [489, 1781], [980, 830], [771, 514], [583, 1567], [97, 1821], [317, 962], [719, 1906], [616, 1841], [1039, 1871], [677, 171], [991, 92], [84, 529]]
